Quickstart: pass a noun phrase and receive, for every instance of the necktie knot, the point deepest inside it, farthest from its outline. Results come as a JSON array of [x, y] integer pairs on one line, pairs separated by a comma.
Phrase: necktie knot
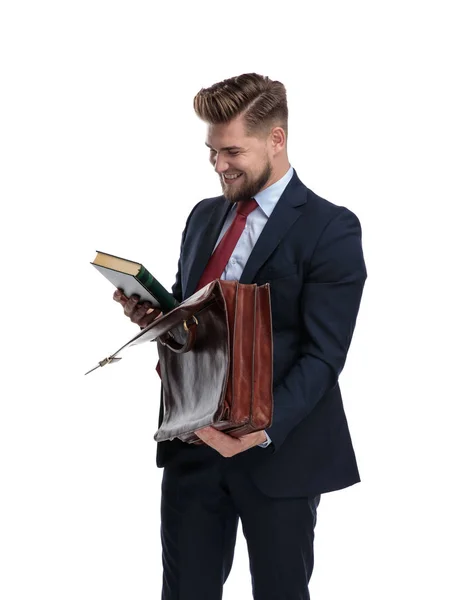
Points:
[[246, 207]]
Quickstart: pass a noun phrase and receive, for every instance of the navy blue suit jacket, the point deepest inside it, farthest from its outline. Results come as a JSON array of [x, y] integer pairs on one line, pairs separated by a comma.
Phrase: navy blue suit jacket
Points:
[[310, 253]]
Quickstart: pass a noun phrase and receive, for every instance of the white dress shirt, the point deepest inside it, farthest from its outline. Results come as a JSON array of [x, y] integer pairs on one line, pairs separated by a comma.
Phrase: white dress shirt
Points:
[[256, 220]]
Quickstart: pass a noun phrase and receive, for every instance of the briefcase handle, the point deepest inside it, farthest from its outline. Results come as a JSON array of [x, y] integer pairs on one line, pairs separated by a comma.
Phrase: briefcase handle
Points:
[[167, 339]]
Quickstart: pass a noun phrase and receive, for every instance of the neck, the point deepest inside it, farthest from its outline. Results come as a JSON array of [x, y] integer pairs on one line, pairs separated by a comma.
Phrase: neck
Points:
[[278, 173]]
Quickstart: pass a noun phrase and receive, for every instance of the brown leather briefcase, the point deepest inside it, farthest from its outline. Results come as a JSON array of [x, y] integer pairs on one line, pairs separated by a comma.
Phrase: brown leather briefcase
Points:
[[216, 362]]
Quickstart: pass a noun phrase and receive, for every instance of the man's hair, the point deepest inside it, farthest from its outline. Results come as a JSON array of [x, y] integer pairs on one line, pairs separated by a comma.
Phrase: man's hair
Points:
[[261, 101]]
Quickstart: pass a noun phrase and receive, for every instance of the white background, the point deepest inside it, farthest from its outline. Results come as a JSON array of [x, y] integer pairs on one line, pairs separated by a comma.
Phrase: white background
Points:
[[101, 150]]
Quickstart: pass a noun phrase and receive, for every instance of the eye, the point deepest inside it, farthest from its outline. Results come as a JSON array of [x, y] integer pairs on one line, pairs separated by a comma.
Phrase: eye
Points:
[[233, 152]]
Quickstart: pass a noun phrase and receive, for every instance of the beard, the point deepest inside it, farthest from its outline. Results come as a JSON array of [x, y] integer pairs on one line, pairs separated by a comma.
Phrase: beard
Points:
[[248, 188]]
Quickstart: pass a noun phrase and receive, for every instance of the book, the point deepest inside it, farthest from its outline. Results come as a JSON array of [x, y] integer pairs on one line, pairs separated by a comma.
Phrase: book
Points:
[[133, 278]]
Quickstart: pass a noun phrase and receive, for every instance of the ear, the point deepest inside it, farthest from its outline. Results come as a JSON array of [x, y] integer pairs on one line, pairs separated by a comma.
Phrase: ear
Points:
[[278, 139]]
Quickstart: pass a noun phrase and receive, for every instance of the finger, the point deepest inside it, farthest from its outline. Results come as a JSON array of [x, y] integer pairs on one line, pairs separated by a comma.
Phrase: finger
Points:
[[214, 434], [130, 305], [208, 437], [207, 432], [213, 444], [227, 445], [120, 297], [139, 312], [222, 442], [252, 438], [150, 317]]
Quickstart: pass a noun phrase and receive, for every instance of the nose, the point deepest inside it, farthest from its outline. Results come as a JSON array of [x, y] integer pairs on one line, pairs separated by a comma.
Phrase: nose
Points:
[[220, 164]]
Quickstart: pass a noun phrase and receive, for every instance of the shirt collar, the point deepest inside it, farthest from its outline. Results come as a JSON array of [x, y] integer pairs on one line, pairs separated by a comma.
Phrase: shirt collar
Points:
[[268, 198]]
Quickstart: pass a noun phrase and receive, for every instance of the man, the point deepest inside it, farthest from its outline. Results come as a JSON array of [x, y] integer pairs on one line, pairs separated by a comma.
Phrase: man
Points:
[[310, 252]]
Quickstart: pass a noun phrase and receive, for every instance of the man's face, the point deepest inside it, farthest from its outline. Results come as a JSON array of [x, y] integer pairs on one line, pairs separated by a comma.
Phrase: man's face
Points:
[[242, 162]]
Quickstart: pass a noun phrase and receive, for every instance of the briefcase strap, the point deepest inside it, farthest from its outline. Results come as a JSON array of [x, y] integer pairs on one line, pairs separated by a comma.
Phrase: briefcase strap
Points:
[[168, 339]]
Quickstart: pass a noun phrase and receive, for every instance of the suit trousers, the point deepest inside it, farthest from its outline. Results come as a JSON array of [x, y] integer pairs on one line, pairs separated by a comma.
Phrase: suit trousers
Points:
[[201, 504]]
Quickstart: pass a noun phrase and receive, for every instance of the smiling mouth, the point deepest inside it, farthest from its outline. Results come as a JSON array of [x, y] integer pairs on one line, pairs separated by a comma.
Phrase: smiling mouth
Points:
[[231, 178]]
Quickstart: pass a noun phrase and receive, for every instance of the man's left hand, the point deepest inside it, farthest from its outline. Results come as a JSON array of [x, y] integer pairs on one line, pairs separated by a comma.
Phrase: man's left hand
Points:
[[227, 445]]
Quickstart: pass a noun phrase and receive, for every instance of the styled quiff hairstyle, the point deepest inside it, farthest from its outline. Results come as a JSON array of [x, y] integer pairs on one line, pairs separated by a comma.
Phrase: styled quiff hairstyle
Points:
[[261, 101]]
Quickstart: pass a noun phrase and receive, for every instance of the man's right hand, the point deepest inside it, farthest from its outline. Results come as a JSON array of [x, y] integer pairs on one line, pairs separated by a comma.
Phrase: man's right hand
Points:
[[141, 313]]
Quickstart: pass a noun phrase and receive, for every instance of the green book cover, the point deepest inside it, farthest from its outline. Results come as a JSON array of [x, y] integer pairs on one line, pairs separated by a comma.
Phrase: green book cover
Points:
[[134, 278]]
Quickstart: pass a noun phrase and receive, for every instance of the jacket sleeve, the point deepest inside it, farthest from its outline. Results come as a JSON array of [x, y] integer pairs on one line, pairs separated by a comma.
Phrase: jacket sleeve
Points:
[[330, 301], [177, 286]]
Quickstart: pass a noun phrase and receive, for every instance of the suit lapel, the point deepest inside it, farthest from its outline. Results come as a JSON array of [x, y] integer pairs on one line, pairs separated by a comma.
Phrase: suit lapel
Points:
[[281, 220], [207, 240]]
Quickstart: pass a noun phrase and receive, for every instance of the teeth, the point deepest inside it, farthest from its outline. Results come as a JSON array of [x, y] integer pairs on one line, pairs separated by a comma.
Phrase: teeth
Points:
[[232, 176]]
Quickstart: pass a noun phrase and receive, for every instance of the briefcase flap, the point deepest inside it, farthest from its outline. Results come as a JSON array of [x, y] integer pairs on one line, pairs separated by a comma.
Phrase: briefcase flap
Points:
[[194, 382]]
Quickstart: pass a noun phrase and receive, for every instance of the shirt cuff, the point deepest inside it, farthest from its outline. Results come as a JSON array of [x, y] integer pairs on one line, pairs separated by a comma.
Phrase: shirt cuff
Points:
[[267, 442]]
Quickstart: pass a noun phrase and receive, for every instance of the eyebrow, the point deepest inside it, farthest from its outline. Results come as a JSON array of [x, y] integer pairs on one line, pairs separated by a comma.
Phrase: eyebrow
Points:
[[226, 147]]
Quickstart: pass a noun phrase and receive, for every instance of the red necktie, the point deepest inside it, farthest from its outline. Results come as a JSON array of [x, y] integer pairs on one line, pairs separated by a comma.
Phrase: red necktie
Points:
[[221, 255]]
